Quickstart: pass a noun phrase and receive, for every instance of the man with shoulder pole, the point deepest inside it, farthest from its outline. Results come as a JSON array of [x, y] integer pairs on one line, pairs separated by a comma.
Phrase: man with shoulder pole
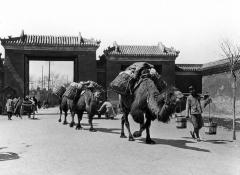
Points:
[[194, 110]]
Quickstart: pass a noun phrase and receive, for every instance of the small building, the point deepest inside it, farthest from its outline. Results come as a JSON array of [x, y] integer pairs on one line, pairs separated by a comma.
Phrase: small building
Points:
[[187, 75], [117, 58]]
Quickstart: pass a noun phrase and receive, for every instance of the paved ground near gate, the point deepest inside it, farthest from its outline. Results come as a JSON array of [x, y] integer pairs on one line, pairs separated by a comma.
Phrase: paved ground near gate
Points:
[[44, 146]]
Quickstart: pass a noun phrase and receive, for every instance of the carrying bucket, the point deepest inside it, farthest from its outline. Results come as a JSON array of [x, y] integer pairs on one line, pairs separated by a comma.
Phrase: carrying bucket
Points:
[[27, 107], [181, 122], [210, 128]]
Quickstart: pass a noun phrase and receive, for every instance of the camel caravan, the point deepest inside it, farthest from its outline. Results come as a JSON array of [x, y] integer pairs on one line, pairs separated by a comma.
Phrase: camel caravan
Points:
[[79, 98], [142, 93]]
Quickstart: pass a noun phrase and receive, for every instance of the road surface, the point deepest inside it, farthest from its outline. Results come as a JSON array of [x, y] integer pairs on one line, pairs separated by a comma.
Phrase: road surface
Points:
[[44, 146]]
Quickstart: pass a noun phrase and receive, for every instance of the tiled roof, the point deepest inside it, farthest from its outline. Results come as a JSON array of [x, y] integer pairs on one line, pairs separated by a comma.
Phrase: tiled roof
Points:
[[218, 66], [49, 40], [188, 67], [217, 63], [133, 50]]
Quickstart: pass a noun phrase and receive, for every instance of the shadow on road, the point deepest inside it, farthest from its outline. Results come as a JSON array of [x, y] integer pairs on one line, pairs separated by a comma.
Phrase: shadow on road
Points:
[[8, 156], [176, 143], [75, 124], [224, 122], [109, 130], [47, 114], [218, 141], [213, 141], [35, 118], [104, 118]]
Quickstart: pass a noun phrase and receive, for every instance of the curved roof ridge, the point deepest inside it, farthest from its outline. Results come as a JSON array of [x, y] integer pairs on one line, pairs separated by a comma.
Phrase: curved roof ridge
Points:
[[50, 40], [141, 50]]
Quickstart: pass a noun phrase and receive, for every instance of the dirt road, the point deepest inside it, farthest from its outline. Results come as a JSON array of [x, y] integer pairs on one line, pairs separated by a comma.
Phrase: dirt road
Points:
[[44, 146]]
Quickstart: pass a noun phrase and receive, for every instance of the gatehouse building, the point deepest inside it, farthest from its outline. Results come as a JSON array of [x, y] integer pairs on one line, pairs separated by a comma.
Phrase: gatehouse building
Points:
[[20, 50]]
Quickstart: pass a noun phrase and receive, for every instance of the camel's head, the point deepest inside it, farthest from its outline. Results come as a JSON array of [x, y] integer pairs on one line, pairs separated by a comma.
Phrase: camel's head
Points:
[[171, 98], [98, 95]]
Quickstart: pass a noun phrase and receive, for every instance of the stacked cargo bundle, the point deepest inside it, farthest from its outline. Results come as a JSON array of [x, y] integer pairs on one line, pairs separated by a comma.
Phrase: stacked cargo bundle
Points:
[[124, 83], [59, 91], [71, 90]]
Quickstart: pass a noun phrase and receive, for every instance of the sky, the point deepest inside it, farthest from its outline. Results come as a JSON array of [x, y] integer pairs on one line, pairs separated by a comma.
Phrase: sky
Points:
[[40, 69], [195, 28]]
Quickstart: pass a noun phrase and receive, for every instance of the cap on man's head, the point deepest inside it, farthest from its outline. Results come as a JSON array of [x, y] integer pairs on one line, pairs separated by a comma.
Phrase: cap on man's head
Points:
[[191, 88]]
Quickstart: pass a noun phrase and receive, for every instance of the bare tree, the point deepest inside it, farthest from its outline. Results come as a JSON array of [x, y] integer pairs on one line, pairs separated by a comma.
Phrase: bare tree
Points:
[[56, 79], [232, 53]]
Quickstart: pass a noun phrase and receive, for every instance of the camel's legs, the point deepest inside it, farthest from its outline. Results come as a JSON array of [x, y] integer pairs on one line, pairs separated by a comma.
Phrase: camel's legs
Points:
[[72, 122], [148, 138], [79, 120], [146, 126], [143, 126], [130, 137], [65, 117], [90, 118], [64, 108], [122, 126], [60, 117]]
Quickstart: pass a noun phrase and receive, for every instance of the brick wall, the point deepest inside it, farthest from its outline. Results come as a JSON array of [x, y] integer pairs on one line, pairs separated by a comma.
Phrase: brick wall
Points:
[[186, 79], [87, 66]]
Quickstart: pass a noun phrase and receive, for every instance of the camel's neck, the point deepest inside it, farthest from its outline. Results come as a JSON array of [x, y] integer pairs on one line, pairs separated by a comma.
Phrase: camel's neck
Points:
[[155, 103]]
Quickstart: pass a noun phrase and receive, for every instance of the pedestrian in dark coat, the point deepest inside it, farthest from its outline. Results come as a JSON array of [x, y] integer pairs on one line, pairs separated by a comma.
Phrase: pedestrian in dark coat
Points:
[[35, 103], [9, 107]]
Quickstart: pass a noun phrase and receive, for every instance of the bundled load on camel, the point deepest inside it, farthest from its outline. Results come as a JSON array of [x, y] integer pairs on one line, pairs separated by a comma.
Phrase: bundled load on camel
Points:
[[122, 83], [72, 90], [94, 86], [59, 91], [127, 80], [75, 88]]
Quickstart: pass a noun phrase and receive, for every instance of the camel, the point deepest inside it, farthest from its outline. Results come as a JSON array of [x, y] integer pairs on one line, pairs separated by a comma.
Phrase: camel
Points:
[[89, 102], [146, 99], [66, 104], [63, 106]]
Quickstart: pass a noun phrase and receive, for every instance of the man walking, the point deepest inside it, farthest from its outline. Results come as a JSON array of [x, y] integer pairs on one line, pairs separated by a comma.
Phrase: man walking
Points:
[[108, 108], [9, 107], [194, 109]]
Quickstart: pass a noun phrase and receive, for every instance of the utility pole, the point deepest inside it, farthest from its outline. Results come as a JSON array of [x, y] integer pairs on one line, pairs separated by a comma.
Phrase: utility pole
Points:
[[42, 77], [48, 75]]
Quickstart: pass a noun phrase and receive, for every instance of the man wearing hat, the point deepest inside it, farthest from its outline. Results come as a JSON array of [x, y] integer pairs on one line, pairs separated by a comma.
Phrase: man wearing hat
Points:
[[194, 109], [9, 107]]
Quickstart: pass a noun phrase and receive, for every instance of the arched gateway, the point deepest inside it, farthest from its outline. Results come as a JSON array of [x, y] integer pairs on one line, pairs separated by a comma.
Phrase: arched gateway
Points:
[[20, 50]]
